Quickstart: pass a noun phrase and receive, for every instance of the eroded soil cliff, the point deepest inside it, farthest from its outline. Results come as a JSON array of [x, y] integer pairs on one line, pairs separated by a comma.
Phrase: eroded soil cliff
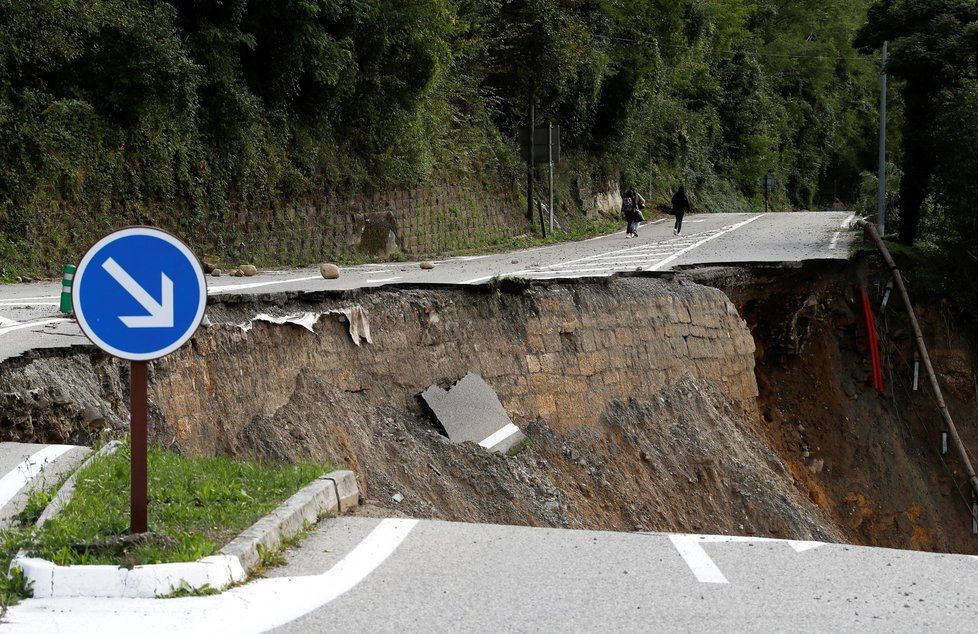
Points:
[[728, 401]]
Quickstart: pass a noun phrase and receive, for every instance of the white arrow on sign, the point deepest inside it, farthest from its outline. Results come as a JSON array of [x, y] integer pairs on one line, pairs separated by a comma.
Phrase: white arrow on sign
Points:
[[160, 313]]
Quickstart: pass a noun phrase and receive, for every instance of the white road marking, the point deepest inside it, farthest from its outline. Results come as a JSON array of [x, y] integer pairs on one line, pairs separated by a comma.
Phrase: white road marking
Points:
[[27, 470], [696, 558], [238, 287], [800, 547], [30, 324], [386, 279], [24, 299], [702, 242], [703, 567], [637, 252], [845, 225], [501, 434], [7, 322], [7, 303], [256, 607]]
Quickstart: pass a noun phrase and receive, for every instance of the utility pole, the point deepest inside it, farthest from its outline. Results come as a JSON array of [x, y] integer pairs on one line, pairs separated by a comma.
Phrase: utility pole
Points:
[[881, 190], [550, 161], [529, 162]]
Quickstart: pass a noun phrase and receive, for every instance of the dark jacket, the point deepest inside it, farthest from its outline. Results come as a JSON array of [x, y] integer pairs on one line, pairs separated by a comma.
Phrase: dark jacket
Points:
[[680, 203], [631, 213]]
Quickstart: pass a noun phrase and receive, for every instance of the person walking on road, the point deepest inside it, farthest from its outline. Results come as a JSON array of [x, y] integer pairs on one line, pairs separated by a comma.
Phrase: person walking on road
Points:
[[680, 205], [631, 204]]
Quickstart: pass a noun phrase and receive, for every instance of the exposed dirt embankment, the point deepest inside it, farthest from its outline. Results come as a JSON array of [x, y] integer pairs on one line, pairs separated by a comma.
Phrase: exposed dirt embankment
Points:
[[638, 396], [871, 460]]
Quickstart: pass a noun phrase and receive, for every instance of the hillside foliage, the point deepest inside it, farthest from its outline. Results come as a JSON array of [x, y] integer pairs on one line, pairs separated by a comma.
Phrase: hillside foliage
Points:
[[192, 105]]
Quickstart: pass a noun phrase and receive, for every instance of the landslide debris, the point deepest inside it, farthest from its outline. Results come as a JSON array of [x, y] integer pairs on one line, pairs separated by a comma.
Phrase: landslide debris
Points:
[[638, 398]]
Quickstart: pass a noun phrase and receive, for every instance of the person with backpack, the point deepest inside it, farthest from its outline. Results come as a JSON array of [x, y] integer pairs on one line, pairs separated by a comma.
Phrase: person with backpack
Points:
[[680, 205], [631, 205]]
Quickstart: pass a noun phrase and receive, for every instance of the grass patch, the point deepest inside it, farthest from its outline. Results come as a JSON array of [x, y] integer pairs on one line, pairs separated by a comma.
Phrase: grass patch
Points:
[[196, 505], [523, 445]]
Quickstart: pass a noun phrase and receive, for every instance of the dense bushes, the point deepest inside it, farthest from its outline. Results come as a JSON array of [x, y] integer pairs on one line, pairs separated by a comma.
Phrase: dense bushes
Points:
[[187, 106]]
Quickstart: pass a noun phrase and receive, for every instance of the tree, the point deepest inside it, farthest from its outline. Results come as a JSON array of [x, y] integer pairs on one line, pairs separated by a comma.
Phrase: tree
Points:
[[931, 50]]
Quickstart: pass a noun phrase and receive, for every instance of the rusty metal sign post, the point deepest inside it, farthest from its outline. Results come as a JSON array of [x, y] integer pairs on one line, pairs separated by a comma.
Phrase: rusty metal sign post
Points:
[[139, 294]]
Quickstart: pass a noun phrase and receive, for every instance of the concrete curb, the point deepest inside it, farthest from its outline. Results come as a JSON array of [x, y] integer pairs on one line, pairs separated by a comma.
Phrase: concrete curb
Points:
[[329, 493], [334, 492]]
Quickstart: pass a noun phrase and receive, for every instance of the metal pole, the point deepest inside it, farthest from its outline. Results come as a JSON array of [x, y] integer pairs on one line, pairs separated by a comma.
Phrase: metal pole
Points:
[[529, 163], [922, 350], [550, 159], [881, 189], [137, 446]]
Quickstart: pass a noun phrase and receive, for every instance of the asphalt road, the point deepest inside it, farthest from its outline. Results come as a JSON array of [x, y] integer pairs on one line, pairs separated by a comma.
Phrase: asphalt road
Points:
[[402, 575], [29, 317], [398, 575]]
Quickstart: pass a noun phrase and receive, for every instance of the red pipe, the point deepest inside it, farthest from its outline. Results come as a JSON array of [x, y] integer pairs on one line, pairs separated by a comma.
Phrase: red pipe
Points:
[[874, 350]]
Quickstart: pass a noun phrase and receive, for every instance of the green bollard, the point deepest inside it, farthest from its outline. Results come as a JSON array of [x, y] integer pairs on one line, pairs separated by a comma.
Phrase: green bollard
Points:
[[69, 274]]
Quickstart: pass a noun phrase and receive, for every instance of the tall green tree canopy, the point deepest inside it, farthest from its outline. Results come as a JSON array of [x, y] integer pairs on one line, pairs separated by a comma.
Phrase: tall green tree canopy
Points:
[[932, 49], [195, 105]]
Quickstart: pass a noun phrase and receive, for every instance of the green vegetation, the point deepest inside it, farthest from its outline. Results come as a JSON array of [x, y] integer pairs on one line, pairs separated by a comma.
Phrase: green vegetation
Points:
[[524, 445], [195, 507], [13, 585], [186, 114], [934, 58], [176, 112]]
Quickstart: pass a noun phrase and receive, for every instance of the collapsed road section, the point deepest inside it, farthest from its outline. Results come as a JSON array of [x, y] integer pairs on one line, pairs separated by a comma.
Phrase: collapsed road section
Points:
[[646, 403]]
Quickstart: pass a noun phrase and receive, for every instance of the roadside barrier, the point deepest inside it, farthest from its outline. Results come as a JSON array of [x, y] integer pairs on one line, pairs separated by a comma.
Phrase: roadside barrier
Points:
[[69, 275]]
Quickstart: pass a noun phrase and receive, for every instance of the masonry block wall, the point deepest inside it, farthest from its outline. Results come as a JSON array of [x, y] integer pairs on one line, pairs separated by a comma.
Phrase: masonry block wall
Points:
[[426, 220], [559, 352]]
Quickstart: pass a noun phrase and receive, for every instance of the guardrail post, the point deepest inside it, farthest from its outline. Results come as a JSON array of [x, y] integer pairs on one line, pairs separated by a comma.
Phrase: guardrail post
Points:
[[69, 274]]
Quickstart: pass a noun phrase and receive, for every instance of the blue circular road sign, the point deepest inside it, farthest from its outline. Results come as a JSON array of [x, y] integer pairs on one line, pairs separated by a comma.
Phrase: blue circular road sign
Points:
[[139, 293]]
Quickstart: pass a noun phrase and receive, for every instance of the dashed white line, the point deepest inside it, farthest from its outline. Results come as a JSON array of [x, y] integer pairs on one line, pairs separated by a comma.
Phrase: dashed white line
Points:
[[835, 237], [386, 279]]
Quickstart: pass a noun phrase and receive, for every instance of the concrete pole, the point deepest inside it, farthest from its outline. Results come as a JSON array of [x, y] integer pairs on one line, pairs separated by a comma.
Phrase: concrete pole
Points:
[[881, 190]]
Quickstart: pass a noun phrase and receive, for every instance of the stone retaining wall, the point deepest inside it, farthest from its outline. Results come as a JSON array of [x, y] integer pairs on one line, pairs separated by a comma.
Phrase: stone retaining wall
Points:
[[559, 351], [425, 220]]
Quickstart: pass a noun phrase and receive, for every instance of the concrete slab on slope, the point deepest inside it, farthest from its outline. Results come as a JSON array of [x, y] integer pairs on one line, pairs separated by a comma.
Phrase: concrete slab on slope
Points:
[[470, 411]]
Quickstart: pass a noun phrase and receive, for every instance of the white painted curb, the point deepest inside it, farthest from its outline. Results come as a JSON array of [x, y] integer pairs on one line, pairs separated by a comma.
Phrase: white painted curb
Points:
[[334, 492], [51, 580]]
